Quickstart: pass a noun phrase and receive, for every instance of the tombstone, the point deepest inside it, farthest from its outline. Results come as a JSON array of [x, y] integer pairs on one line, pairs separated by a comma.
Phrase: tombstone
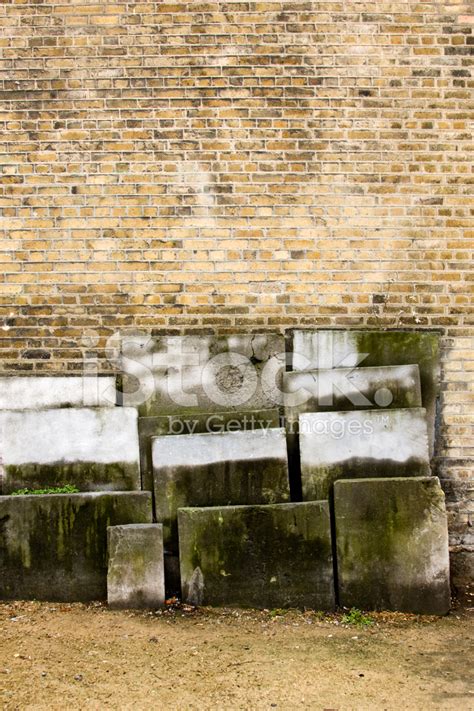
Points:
[[392, 545], [198, 423], [340, 389], [135, 575], [192, 374], [370, 443], [219, 469], [95, 449], [39, 393], [55, 547], [317, 349], [275, 556]]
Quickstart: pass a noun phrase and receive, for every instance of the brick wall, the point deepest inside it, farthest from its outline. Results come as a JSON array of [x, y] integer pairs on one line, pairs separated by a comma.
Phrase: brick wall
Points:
[[239, 166]]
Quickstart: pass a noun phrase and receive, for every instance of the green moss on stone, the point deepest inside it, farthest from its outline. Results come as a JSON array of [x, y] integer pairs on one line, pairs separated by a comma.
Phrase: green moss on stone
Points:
[[85, 476], [54, 547], [392, 544], [259, 556]]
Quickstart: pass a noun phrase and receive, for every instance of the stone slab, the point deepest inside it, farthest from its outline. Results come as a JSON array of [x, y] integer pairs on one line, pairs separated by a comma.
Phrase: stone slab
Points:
[[314, 349], [361, 443], [38, 393], [343, 389], [135, 574], [392, 545], [340, 389], [55, 547], [276, 556], [187, 374], [95, 449], [198, 423], [222, 469]]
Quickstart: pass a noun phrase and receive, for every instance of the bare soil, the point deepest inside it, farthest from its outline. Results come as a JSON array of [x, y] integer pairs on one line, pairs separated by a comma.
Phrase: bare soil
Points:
[[56, 656]]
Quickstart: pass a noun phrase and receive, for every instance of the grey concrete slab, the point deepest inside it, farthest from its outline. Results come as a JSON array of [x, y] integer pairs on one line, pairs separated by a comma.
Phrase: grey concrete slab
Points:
[[217, 469], [340, 389], [54, 547], [187, 374], [197, 423], [392, 545], [95, 449], [314, 349], [367, 443], [135, 573], [38, 393], [275, 556]]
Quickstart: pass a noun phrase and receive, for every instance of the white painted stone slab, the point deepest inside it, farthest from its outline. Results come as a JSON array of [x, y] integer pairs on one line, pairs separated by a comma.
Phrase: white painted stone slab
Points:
[[38, 393], [211, 448], [350, 389], [217, 469], [135, 576], [95, 449], [163, 425], [354, 444], [203, 373]]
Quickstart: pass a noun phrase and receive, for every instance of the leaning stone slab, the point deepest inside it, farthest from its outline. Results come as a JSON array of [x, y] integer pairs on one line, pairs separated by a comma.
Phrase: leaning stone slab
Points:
[[257, 556], [392, 545], [340, 389], [38, 393], [95, 449], [177, 374], [135, 576], [316, 349], [371, 443], [223, 469], [211, 422], [54, 547]]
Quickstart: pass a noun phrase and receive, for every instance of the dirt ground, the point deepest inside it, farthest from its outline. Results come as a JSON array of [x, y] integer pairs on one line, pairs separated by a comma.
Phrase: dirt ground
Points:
[[56, 656]]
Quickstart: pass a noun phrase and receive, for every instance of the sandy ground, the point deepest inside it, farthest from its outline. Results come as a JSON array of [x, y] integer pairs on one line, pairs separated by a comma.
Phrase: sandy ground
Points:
[[75, 656]]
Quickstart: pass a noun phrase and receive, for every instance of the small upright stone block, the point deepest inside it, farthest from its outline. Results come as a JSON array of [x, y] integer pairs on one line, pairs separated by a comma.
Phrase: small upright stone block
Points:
[[392, 545], [360, 444], [135, 577], [257, 556]]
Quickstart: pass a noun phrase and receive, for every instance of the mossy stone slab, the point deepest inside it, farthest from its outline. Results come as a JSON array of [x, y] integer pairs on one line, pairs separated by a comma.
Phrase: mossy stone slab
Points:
[[220, 469], [192, 374], [392, 545], [41, 392], [360, 444], [212, 422], [315, 349], [94, 449], [54, 547], [135, 574], [276, 556]]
